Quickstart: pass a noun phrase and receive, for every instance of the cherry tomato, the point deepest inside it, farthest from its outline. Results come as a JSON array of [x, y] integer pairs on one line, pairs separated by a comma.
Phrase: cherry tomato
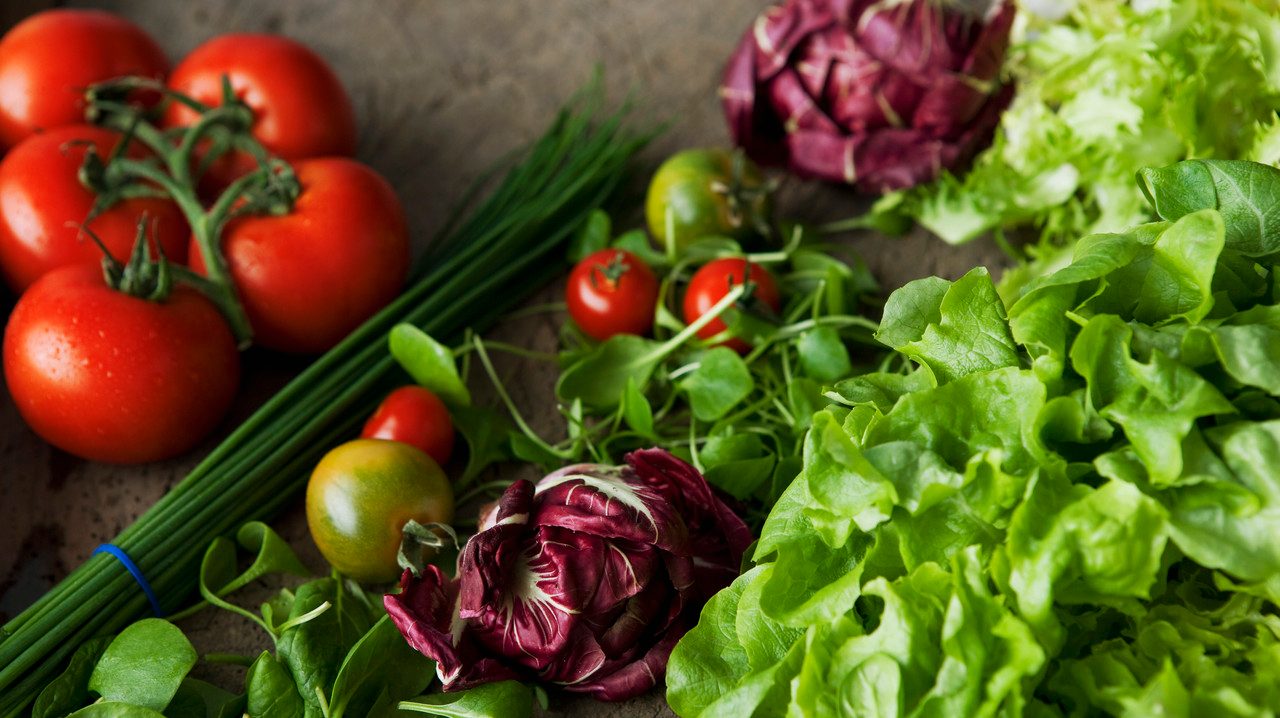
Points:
[[309, 277], [115, 378], [361, 495], [707, 193], [300, 107], [714, 280], [42, 204], [416, 417], [612, 292], [47, 61]]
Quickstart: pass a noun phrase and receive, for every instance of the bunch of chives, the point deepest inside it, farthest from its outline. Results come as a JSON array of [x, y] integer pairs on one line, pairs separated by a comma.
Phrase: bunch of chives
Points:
[[508, 247]]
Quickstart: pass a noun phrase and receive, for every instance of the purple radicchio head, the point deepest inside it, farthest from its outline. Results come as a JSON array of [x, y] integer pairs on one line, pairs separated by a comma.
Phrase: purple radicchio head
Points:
[[585, 580], [880, 94]]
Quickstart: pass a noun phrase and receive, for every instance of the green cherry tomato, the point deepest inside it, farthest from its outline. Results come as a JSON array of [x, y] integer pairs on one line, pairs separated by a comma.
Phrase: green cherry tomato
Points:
[[707, 193], [361, 495]]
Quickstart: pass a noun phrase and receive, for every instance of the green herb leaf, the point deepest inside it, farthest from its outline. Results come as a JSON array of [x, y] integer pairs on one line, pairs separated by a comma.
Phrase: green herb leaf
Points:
[[592, 237], [70, 690], [313, 650], [198, 699], [721, 381], [504, 699], [486, 432], [823, 355], [600, 377], [380, 669], [430, 363], [144, 665], [271, 555], [636, 410], [272, 691]]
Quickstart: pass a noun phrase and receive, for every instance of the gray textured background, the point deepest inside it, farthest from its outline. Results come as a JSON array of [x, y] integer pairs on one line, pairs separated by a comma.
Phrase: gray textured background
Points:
[[442, 89]]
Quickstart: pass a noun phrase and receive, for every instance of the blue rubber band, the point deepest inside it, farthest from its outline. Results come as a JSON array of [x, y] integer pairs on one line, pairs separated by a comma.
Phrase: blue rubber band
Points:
[[132, 568]]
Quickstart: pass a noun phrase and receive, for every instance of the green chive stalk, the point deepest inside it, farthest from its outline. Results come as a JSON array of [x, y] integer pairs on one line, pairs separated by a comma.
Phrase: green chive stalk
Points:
[[481, 267]]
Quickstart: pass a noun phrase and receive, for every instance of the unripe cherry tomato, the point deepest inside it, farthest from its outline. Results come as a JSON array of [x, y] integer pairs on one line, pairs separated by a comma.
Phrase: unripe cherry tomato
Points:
[[706, 193], [714, 280], [111, 377], [361, 495], [43, 202], [48, 60], [612, 292], [299, 106], [414, 416]]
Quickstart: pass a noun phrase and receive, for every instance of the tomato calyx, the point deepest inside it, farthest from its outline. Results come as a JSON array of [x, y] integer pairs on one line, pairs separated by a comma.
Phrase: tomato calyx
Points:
[[612, 271], [141, 276], [420, 542], [746, 201]]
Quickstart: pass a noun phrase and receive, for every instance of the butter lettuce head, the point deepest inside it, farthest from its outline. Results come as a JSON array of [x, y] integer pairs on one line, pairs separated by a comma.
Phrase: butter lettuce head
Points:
[[1069, 506]]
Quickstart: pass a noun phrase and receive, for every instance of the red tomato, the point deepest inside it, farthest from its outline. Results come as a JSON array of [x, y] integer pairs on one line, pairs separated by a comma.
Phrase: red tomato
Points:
[[413, 415], [47, 61], [308, 278], [714, 280], [42, 203], [612, 292], [300, 107], [110, 377]]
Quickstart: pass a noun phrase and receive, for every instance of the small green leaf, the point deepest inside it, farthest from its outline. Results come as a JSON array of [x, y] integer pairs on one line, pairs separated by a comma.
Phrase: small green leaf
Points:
[[485, 432], [600, 377], [637, 243], [271, 555], [636, 411], [272, 692], [593, 237], [528, 450], [721, 381], [144, 665], [505, 699], [430, 363], [70, 690], [198, 699], [313, 650], [823, 355], [381, 664]]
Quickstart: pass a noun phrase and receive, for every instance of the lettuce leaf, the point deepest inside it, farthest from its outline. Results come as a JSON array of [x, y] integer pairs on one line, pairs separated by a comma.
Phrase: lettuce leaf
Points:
[[1069, 508]]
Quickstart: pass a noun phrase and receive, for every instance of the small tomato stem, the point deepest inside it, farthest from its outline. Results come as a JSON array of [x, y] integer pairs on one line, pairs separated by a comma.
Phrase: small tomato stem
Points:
[[180, 160]]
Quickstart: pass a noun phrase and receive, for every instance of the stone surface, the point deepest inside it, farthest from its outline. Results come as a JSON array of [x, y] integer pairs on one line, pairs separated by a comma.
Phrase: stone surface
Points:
[[442, 89]]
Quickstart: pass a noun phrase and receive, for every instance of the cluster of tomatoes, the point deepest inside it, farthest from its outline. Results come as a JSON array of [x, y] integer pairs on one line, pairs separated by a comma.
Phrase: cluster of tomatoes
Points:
[[696, 194], [118, 365]]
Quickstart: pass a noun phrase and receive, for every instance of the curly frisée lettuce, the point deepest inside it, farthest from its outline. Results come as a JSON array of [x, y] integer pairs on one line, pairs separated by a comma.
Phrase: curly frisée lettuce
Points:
[[1070, 507], [1108, 88]]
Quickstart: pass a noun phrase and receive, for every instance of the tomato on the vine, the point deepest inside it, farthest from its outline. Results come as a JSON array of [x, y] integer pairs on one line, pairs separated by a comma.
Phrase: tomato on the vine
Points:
[[47, 61], [414, 416], [707, 193], [299, 106], [714, 280], [361, 495], [43, 202], [116, 378], [612, 292], [309, 277]]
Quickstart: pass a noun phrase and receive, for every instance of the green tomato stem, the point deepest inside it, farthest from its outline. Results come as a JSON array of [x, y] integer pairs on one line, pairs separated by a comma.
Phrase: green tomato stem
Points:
[[217, 284]]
